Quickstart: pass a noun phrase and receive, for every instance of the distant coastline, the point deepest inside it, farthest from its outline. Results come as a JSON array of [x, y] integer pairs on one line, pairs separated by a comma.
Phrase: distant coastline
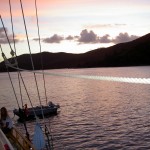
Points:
[[134, 53]]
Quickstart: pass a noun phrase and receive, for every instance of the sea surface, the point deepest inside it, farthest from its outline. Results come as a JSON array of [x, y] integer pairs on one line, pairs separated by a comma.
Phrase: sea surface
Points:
[[94, 114]]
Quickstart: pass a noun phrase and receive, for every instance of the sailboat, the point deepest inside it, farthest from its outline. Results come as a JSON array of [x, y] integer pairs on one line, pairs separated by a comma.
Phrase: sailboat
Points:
[[15, 139]]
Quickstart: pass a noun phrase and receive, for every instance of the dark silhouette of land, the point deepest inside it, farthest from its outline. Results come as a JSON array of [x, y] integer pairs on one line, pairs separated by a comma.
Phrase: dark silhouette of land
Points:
[[134, 53]]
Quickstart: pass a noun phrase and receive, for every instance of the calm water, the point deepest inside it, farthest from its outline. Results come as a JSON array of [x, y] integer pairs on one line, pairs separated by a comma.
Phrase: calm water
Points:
[[94, 115]]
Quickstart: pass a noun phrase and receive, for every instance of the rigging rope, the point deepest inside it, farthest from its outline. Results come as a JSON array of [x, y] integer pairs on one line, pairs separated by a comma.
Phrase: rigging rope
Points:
[[28, 95], [93, 77], [31, 56], [9, 76], [15, 51], [47, 133], [8, 64], [6, 33], [41, 58]]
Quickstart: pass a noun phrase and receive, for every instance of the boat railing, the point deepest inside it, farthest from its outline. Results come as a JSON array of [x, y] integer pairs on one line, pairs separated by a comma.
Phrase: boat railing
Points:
[[4, 142], [20, 140]]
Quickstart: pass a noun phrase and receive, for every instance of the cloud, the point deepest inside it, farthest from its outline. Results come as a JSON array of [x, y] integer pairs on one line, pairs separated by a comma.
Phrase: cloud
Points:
[[69, 37], [124, 37], [54, 39], [119, 24], [105, 39], [105, 25], [3, 38], [88, 37], [36, 39], [91, 37], [2, 32]]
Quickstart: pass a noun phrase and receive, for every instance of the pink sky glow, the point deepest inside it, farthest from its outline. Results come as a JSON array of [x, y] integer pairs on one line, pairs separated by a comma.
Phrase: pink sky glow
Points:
[[74, 26]]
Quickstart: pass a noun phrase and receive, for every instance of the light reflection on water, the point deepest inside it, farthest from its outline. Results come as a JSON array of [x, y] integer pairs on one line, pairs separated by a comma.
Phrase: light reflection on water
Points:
[[94, 114]]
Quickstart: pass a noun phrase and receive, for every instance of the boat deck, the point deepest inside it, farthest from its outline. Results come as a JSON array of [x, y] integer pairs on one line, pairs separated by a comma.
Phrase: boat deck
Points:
[[5, 142], [14, 140]]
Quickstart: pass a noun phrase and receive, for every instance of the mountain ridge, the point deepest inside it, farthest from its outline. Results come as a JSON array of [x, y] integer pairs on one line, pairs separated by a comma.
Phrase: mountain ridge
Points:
[[133, 53]]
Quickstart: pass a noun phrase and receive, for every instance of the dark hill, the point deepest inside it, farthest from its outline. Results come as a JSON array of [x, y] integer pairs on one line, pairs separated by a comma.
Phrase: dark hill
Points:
[[134, 53]]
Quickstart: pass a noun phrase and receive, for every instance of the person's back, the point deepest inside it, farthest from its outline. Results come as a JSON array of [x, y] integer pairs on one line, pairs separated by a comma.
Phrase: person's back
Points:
[[6, 122]]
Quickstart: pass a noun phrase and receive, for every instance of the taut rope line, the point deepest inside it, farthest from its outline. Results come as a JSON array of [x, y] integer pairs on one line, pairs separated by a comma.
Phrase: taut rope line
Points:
[[9, 75], [8, 64], [92, 77], [15, 51], [47, 133], [31, 56], [41, 58]]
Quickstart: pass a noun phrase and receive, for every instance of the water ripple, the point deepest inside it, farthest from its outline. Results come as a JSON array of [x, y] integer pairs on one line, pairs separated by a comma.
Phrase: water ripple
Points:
[[94, 115]]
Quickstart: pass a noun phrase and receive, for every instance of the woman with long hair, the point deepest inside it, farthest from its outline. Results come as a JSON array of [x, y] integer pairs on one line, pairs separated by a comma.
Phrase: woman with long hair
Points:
[[5, 121]]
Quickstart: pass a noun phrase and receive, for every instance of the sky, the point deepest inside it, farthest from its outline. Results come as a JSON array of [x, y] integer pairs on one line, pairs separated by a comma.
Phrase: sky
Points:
[[72, 26]]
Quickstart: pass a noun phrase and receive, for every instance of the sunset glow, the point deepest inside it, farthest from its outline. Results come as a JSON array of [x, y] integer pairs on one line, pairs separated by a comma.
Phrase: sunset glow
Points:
[[74, 26]]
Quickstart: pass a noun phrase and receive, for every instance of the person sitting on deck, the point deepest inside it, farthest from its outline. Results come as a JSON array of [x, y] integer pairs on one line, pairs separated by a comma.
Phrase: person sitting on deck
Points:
[[5, 121]]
